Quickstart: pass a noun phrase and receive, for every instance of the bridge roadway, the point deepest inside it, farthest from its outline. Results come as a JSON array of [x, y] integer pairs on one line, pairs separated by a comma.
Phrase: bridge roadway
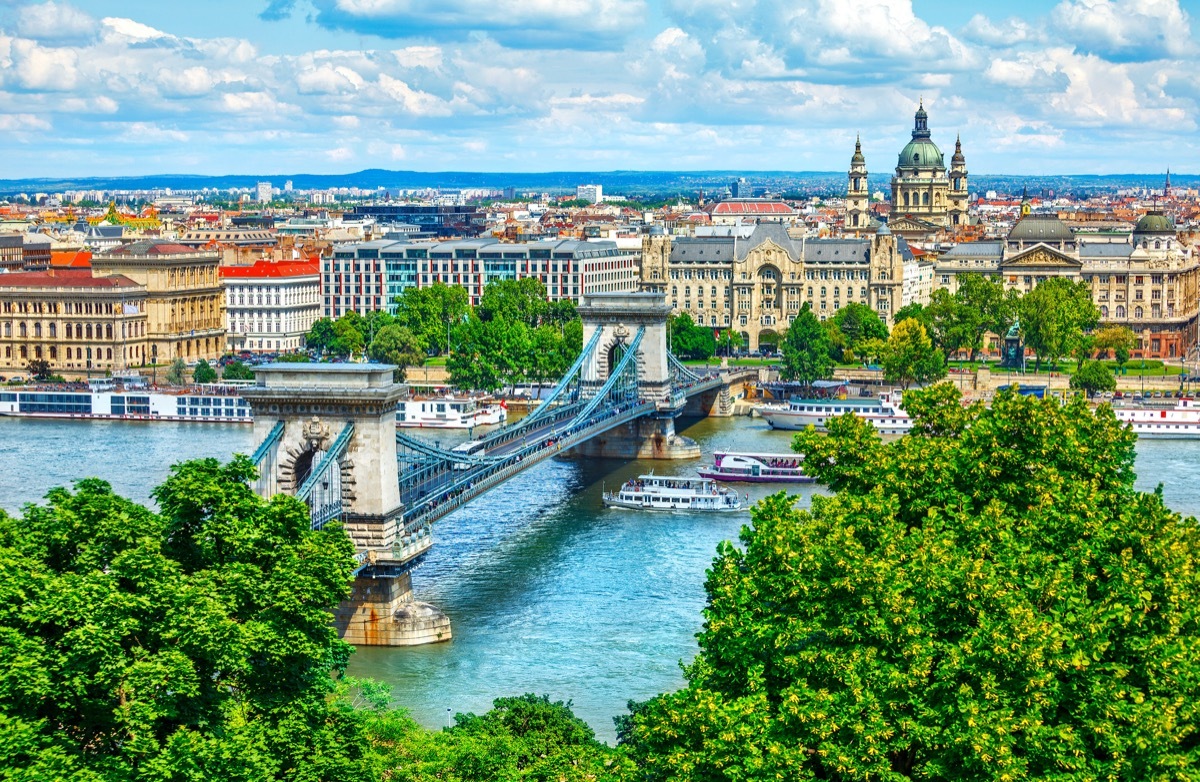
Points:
[[442, 489]]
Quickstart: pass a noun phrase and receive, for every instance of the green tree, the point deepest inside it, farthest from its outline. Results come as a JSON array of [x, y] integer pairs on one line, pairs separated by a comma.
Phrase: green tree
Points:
[[954, 324], [988, 597], [1094, 377], [858, 323], [431, 312], [321, 336], [192, 643], [38, 369], [910, 357], [1054, 317], [982, 301], [689, 341], [204, 373], [806, 349], [177, 374], [349, 337], [397, 345], [915, 310], [238, 370], [1119, 340], [522, 300]]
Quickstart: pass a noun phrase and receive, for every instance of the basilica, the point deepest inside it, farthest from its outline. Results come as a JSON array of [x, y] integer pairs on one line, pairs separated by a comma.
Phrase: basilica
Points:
[[925, 195]]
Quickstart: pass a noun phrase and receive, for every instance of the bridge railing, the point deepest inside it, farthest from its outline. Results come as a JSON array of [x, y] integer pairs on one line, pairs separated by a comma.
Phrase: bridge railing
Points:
[[322, 489]]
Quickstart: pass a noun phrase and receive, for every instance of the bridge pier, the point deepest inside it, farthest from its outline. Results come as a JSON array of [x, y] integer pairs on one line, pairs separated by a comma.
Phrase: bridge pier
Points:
[[299, 409], [651, 437]]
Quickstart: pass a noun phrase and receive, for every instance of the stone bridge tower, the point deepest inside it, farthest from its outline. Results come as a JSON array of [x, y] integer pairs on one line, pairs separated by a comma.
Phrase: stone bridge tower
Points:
[[347, 411]]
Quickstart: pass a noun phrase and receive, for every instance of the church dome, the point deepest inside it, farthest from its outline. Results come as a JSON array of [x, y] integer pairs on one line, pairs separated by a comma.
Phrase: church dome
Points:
[[1041, 228], [1154, 223], [920, 152]]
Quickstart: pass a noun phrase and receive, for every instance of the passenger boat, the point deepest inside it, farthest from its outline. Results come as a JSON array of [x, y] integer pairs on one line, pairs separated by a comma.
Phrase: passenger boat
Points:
[[657, 492], [128, 401], [886, 413], [1179, 422], [450, 412], [756, 468]]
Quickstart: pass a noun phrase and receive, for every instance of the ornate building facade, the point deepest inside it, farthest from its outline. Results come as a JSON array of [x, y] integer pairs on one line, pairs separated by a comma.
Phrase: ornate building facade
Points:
[[755, 279], [858, 195], [185, 302], [1147, 281]]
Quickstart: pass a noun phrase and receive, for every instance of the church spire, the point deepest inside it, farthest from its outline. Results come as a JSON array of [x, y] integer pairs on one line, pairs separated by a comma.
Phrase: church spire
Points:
[[1167, 184]]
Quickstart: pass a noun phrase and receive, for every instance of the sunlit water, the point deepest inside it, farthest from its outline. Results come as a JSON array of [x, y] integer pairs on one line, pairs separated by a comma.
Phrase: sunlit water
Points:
[[548, 591]]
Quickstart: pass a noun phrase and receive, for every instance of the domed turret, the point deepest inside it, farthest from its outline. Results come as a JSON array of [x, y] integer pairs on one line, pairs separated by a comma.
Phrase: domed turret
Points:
[[1154, 223], [921, 151], [959, 159], [858, 155]]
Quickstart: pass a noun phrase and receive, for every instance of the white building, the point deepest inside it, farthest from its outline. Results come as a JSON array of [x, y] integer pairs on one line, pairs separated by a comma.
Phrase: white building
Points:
[[264, 192], [593, 194], [270, 306]]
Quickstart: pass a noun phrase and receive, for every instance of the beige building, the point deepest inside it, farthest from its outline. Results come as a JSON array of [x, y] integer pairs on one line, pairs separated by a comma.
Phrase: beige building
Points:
[[75, 322], [755, 279], [185, 302], [1147, 282]]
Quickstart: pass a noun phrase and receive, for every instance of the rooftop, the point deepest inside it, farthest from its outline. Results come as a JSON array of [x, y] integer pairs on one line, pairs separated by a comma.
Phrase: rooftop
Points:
[[260, 269], [64, 278]]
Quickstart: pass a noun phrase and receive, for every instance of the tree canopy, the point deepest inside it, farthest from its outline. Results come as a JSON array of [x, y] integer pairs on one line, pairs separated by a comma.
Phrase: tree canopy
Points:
[[689, 341], [397, 345], [192, 643], [988, 597], [431, 312], [204, 373], [806, 349], [1054, 317], [909, 356], [857, 323]]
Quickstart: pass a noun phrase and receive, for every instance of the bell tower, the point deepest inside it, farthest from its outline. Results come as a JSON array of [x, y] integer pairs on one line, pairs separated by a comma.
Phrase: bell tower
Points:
[[857, 193], [957, 195]]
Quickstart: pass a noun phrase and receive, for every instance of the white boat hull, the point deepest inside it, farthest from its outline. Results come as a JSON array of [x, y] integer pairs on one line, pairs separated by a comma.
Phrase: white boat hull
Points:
[[614, 502], [790, 421]]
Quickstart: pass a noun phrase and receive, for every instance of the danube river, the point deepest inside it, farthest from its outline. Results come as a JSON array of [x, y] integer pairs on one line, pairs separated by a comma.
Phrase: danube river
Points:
[[548, 591]]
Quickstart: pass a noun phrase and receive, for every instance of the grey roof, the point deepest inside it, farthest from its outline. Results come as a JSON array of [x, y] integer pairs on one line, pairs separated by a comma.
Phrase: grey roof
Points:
[[773, 232], [842, 250], [973, 250], [1041, 228], [1104, 250], [692, 249]]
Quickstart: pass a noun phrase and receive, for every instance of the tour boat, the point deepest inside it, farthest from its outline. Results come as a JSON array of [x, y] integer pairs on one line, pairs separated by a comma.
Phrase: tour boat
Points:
[[756, 468], [450, 412], [1179, 422], [130, 400], [660, 492], [886, 413]]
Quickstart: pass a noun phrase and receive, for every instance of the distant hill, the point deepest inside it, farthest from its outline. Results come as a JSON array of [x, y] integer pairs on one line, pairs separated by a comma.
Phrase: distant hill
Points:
[[616, 182]]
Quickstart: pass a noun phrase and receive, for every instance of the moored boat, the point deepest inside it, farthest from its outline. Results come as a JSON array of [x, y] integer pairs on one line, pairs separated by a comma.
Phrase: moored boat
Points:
[[885, 413], [1179, 422], [756, 468], [657, 492], [449, 412]]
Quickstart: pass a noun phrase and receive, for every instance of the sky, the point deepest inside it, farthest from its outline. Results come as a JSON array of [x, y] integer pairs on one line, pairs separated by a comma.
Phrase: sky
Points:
[[124, 87]]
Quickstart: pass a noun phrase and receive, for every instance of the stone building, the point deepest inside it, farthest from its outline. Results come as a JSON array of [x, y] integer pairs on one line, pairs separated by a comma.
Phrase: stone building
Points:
[[185, 303], [925, 195], [270, 306], [1147, 282], [75, 322], [755, 279]]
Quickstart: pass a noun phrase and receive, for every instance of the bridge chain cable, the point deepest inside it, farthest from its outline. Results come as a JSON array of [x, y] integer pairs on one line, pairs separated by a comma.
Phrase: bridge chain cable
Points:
[[681, 368], [329, 461], [571, 375]]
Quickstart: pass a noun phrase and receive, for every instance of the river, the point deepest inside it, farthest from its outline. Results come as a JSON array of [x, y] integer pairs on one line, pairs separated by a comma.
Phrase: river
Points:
[[548, 592]]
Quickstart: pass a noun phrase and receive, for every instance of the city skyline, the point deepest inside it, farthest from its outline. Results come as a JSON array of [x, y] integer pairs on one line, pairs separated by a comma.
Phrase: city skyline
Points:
[[334, 86]]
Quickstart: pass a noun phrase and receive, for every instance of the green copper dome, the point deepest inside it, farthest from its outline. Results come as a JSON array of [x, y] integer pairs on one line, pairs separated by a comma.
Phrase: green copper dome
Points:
[[1154, 223], [920, 152]]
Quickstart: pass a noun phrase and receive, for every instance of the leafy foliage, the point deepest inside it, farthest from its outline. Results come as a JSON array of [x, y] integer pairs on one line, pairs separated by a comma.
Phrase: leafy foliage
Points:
[[806, 349], [910, 357], [1054, 317], [177, 374], [1093, 378], [193, 643], [431, 312], [986, 598], [689, 341], [397, 345], [857, 323], [204, 373], [39, 369], [238, 370], [1120, 340]]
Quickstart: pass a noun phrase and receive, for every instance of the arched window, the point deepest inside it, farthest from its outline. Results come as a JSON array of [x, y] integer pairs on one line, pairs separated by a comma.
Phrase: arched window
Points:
[[53, 353], [906, 199], [924, 199], [53, 330], [108, 331], [1137, 312], [108, 353], [1121, 311], [24, 333], [89, 331], [37, 330], [1104, 310], [1157, 245]]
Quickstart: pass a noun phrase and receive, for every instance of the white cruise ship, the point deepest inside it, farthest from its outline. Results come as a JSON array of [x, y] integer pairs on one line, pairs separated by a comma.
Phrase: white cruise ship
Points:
[[885, 413], [658, 492], [450, 412], [1180, 422]]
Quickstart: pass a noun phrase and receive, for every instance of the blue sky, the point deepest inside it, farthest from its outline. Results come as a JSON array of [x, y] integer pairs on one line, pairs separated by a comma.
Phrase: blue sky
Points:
[[328, 86]]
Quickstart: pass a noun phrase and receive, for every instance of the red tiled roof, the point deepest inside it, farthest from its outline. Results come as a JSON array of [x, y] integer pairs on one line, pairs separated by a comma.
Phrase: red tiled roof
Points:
[[752, 208], [73, 260], [64, 278], [273, 269]]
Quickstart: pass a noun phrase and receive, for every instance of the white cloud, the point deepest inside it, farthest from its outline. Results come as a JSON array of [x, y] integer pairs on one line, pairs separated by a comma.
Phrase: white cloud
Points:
[[1126, 29], [329, 79], [54, 22], [38, 67], [339, 154], [23, 123], [188, 83], [118, 28], [414, 102]]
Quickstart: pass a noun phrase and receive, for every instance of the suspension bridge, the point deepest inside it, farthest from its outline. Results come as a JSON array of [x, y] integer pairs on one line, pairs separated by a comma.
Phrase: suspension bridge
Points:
[[328, 436]]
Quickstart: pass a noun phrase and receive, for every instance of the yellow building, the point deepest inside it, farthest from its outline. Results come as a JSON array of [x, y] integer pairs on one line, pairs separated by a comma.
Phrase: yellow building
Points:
[[185, 301], [75, 322]]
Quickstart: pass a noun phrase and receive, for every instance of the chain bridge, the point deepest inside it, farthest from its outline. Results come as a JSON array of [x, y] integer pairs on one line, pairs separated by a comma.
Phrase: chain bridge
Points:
[[328, 436]]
